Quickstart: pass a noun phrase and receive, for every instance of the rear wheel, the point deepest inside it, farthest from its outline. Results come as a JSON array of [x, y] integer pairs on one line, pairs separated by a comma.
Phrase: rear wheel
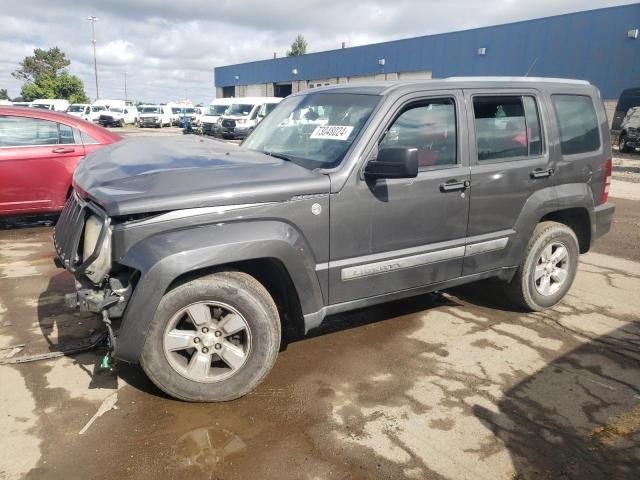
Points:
[[212, 339], [548, 268]]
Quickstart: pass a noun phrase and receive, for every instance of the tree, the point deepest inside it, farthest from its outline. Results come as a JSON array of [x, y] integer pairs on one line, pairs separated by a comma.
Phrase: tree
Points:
[[45, 76], [42, 63], [298, 47], [4, 95]]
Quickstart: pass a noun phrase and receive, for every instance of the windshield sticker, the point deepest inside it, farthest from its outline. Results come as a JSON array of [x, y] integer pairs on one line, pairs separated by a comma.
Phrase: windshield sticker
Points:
[[332, 132]]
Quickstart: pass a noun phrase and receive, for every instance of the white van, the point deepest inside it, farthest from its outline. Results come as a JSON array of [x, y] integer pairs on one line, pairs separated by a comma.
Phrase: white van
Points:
[[242, 116], [56, 104], [82, 110], [216, 109], [155, 116], [119, 116]]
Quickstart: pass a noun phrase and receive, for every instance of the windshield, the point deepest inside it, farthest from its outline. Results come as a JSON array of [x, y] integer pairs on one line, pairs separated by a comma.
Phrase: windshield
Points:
[[313, 130], [190, 110], [632, 119], [217, 110], [117, 110], [46, 106], [76, 108], [97, 108], [176, 109], [150, 110], [266, 109], [240, 109]]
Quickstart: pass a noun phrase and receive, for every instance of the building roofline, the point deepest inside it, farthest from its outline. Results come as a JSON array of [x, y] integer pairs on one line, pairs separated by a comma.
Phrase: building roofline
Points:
[[432, 35]]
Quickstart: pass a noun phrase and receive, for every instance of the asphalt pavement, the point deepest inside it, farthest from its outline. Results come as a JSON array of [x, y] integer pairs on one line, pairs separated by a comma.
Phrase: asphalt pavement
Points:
[[453, 385]]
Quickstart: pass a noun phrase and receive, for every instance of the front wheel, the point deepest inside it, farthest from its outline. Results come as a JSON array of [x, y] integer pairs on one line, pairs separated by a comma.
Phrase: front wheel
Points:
[[548, 268], [622, 145], [212, 339]]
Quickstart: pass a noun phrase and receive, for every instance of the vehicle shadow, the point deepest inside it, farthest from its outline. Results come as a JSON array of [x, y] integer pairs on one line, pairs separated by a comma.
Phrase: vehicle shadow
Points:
[[579, 416], [64, 329], [28, 221]]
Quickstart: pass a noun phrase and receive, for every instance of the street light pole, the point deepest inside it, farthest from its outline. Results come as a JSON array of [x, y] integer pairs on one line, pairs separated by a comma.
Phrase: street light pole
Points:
[[93, 21], [126, 97]]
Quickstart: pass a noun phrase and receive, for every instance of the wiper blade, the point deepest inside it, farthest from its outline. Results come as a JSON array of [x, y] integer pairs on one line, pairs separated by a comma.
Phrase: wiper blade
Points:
[[281, 156]]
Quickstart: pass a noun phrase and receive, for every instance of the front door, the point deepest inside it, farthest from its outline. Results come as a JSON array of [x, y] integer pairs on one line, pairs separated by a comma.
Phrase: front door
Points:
[[510, 162], [391, 235]]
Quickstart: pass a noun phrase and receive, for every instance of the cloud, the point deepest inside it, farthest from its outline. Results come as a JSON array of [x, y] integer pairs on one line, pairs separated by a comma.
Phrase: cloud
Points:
[[169, 48]]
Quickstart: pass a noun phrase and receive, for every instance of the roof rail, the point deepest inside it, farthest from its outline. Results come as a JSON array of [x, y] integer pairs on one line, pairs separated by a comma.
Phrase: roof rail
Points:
[[519, 79]]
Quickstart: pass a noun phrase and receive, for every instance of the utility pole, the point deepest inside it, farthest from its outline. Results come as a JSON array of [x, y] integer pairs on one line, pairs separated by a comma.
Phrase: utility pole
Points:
[[125, 86], [93, 21]]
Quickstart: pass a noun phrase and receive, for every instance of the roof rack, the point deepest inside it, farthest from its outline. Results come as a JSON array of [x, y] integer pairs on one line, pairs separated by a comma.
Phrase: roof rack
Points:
[[519, 79]]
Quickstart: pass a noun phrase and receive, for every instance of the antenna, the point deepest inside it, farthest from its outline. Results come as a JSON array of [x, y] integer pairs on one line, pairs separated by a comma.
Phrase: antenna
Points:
[[532, 65]]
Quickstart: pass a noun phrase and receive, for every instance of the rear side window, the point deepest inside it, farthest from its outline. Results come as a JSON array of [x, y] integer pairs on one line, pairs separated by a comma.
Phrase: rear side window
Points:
[[88, 139], [429, 126], [507, 127], [66, 133], [25, 132], [578, 124]]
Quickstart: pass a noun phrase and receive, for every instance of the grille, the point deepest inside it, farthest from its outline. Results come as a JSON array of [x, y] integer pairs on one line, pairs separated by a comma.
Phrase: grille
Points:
[[68, 232], [229, 123]]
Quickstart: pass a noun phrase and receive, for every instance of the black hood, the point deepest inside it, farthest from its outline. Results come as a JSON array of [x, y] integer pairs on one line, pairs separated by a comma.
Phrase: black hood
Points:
[[141, 175]]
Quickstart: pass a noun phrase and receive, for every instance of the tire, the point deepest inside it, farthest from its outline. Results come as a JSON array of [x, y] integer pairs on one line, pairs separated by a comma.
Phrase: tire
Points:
[[169, 366], [121, 123], [527, 288], [622, 144]]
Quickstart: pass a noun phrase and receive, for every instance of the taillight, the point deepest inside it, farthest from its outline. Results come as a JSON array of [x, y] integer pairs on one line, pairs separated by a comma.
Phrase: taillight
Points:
[[607, 181]]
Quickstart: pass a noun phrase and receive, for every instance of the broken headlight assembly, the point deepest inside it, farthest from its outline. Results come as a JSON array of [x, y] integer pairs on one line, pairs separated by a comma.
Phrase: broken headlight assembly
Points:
[[101, 264]]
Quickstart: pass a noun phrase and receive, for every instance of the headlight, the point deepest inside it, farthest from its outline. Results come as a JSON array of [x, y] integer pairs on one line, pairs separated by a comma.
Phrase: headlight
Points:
[[241, 121], [99, 268]]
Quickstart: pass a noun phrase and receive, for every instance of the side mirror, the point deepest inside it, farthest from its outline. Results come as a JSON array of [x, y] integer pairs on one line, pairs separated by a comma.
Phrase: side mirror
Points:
[[396, 162]]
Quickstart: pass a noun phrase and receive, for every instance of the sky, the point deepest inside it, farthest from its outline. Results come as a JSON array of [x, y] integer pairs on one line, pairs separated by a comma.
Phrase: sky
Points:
[[169, 49]]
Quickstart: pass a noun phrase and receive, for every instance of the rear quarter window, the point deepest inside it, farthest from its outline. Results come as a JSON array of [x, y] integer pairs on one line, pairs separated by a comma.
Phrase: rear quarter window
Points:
[[577, 123]]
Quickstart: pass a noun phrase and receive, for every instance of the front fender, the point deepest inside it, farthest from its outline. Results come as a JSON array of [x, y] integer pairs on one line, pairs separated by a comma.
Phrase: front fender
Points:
[[162, 258]]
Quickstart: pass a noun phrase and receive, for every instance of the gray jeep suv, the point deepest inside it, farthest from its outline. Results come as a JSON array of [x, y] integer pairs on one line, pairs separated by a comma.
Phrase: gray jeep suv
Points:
[[198, 254]]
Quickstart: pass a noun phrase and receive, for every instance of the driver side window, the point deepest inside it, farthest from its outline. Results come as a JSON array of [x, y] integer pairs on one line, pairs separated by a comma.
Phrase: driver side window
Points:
[[429, 126]]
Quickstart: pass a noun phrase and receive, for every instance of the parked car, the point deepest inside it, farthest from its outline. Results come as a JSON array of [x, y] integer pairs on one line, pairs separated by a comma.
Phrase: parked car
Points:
[[22, 104], [193, 117], [629, 99], [629, 138], [216, 109], [200, 253], [119, 116], [96, 111], [39, 150], [80, 110], [59, 105], [242, 116], [155, 116]]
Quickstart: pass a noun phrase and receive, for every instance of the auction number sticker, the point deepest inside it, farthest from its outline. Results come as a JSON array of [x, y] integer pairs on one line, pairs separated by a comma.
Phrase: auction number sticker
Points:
[[332, 132]]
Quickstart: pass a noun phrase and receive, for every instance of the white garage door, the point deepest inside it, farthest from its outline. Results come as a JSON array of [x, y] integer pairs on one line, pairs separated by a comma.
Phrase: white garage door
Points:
[[254, 90]]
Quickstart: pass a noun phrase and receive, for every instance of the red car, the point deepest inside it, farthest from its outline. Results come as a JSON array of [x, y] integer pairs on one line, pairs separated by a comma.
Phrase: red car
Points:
[[39, 151]]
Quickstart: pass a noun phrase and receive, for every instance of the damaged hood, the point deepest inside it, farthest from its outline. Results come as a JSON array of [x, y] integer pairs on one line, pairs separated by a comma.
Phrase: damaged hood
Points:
[[144, 175]]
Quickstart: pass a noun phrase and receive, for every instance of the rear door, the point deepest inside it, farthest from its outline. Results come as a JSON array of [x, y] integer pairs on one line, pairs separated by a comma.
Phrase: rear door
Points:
[[510, 162], [37, 160]]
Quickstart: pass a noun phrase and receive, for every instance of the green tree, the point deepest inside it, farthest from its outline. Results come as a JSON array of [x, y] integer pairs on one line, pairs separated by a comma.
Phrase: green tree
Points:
[[4, 95], [45, 76], [298, 47], [42, 63]]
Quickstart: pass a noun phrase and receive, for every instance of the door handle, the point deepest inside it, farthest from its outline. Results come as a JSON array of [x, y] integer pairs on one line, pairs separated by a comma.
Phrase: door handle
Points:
[[454, 185], [542, 173], [63, 150]]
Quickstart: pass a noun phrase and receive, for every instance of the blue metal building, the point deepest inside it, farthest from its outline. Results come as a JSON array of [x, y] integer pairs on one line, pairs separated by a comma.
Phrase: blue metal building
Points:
[[601, 46]]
